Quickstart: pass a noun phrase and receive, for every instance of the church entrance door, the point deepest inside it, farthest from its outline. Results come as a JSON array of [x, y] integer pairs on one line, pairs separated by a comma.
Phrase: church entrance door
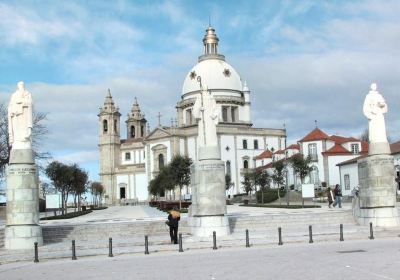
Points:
[[122, 193]]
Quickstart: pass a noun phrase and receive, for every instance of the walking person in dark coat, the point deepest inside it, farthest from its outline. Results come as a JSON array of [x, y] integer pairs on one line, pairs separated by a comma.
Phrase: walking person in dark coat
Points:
[[338, 196], [173, 223]]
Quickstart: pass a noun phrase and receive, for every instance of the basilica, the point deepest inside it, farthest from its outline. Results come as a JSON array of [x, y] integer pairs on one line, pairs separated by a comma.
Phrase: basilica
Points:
[[127, 165]]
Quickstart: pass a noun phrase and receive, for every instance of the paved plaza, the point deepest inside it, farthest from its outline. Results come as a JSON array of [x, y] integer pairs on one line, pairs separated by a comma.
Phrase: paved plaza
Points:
[[367, 260]]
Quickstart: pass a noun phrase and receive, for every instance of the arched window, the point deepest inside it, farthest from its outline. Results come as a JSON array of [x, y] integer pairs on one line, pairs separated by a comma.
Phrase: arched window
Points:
[[245, 164], [141, 130], [115, 126], [132, 131], [228, 167], [160, 161], [244, 144], [105, 126]]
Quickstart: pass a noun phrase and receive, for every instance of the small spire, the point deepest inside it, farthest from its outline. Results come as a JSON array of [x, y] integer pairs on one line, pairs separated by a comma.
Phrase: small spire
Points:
[[159, 118], [316, 123], [109, 92], [136, 101], [209, 20]]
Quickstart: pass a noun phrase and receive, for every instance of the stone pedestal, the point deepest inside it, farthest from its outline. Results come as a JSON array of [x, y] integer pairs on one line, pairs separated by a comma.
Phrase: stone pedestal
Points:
[[22, 225], [208, 210], [377, 191]]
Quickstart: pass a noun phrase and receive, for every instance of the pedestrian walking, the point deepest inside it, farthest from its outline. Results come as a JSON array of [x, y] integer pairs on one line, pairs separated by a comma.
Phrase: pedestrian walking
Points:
[[173, 223], [330, 196], [338, 196]]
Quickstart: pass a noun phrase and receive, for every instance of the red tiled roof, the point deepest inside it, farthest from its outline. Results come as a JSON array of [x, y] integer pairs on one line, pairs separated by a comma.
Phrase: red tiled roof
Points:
[[395, 147], [279, 152], [340, 139], [265, 154], [294, 147], [337, 150], [350, 161], [316, 134]]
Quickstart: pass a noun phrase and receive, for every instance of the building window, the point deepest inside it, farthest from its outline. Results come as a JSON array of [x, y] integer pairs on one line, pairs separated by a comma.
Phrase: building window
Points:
[[244, 144], [245, 164], [144, 154], [160, 161], [314, 176], [255, 144], [127, 156], [105, 126], [141, 130], [132, 131], [355, 149], [312, 151], [347, 182], [225, 114], [228, 167], [189, 116], [233, 113]]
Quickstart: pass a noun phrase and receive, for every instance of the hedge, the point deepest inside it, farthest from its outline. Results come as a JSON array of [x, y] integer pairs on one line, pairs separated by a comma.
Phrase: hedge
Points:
[[270, 195], [294, 206], [67, 216]]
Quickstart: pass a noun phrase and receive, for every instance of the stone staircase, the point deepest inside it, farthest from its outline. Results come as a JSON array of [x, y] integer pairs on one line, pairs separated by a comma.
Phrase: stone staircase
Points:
[[128, 236]]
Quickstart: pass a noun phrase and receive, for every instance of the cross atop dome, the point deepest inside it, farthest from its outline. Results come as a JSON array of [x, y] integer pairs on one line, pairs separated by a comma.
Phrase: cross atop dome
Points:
[[210, 42]]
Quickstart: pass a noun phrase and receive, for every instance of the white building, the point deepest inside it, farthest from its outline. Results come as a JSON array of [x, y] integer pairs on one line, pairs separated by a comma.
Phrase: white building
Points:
[[127, 165], [326, 152], [348, 170]]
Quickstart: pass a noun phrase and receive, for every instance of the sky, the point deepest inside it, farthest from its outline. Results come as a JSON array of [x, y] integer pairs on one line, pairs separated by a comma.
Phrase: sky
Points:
[[302, 60]]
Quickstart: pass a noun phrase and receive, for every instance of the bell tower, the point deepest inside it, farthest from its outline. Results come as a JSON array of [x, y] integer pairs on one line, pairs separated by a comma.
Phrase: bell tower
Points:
[[109, 146], [136, 123]]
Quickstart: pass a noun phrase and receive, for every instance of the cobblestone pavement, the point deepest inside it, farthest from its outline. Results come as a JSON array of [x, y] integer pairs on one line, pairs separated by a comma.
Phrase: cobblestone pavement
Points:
[[367, 260]]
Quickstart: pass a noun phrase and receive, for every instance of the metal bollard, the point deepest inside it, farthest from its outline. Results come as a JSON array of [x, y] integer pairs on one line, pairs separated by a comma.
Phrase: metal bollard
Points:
[[371, 231], [36, 253], [247, 239], [280, 236], [180, 243], [214, 240], [110, 253], [341, 232], [310, 234], [73, 250], [146, 245]]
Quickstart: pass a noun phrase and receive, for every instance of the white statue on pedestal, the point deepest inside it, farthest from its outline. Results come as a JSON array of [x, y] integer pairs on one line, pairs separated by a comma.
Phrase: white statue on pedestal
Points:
[[20, 121], [205, 110], [374, 108]]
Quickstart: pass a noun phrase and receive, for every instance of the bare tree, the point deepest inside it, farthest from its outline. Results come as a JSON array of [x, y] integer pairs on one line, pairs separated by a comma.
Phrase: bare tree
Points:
[[365, 135]]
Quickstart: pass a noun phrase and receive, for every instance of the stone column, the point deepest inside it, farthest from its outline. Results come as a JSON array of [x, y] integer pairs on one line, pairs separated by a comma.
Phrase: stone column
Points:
[[208, 210], [377, 191], [22, 225]]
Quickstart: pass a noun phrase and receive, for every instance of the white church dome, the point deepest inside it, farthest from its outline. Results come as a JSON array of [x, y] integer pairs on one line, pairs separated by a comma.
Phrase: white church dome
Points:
[[214, 71]]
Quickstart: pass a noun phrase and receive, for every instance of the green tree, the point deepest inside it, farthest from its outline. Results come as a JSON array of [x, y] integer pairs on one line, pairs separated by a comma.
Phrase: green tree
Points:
[[301, 166], [97, 190], [228, 182], [247, 183], [180, 172], [79, 182], [279, 176], [263, 179], [60, 174]]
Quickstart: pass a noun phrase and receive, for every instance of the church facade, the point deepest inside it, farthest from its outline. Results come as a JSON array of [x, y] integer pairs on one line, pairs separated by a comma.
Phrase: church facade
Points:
[[128, 165]]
